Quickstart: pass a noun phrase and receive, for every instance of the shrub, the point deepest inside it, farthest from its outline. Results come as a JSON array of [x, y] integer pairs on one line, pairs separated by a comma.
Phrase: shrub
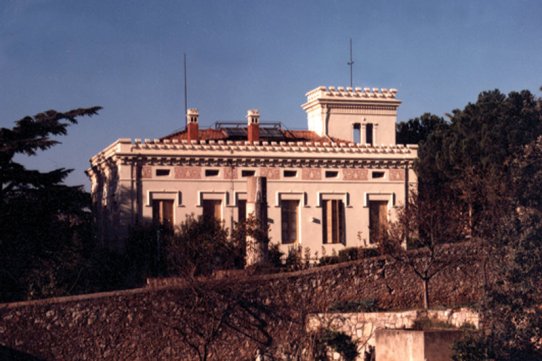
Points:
[[274, 256], [369, 305], [200, 247], [425, 323], [340, 342], [353, 253], [325, 260], [472, 348], [369, 354], [294, 261]]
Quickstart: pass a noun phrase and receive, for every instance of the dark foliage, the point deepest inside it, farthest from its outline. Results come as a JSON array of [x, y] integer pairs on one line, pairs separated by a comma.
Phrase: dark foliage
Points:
[[338, 341], [199, 247], [354, 253], [14, 355], [45, 226], [417, 130], [473, 348], [369, 354], [369, 305], [470, 159], [274, 256], [510, 308], [327, 260]]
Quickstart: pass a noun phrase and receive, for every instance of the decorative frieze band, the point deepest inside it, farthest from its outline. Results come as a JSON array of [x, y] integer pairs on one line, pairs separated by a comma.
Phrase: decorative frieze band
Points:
[[146, 171], [187, 172], [311, 173], [274, 173], [266, 164], [230, 172], [355, 174], [270, 172], [397, 174]]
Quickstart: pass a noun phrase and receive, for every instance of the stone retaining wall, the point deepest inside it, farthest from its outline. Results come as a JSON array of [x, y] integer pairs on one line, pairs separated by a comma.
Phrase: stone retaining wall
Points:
[[141, 324]]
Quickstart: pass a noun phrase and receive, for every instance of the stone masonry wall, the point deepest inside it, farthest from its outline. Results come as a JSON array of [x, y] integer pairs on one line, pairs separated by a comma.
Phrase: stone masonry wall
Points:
[[140, 324], [362, 326]]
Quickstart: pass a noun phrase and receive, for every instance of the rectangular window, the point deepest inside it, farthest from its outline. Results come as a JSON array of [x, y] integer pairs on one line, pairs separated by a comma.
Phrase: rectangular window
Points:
[[369, 134], [357, 133], [162, 172], [333, 221], [248, 173], [212, 208], [241, 210], [162, 213], [378, 220], [290, 174], [376, 175], [332, 174], [289, 221], [211, 172]]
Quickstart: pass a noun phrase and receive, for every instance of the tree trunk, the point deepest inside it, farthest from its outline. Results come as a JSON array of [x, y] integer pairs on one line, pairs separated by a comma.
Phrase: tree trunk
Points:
[[470, 220], [425, 293]]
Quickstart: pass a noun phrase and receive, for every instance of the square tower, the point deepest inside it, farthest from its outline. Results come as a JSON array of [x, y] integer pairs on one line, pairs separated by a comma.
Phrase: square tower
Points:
[[365, 116]]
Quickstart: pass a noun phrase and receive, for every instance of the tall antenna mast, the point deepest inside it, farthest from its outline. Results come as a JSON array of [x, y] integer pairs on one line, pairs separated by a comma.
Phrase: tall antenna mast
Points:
[[185, 93], [351, 63]]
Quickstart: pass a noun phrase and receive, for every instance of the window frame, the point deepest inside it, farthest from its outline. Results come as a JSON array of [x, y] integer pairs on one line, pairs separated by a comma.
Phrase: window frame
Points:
[[159, 207], [378, 208], [337, 218], [207, 204], [290, 214]]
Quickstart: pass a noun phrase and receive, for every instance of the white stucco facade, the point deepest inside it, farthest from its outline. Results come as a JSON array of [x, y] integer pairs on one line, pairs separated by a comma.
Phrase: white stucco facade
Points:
[[323, 171]]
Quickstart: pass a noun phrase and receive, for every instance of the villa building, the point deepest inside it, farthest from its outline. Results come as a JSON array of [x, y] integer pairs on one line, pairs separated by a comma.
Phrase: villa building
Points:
[[332, 186]]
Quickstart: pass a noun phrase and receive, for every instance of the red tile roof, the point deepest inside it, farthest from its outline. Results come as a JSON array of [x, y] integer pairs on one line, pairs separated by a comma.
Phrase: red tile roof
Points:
[[204, 134]]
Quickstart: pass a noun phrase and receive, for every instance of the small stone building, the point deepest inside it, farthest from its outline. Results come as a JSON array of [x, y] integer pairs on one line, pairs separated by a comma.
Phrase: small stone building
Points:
[[333, 186]]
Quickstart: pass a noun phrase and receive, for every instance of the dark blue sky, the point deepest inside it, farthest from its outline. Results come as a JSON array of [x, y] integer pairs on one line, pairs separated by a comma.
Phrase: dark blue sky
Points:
[[127, 57]]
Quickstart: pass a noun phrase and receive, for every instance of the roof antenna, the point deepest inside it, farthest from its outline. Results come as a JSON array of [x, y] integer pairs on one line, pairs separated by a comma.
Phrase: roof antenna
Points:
[[351, 63], [185, 94]]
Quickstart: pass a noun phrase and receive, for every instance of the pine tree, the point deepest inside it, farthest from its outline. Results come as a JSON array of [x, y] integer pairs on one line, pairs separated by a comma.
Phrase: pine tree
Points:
[[43, 222]]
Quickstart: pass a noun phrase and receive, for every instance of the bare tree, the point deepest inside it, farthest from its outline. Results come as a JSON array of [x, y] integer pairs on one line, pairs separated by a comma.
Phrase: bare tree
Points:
[[417, 240], [215, 317]]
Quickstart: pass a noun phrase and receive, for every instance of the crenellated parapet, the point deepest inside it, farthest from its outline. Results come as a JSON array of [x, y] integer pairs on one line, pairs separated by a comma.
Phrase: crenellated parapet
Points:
[[333, 92]]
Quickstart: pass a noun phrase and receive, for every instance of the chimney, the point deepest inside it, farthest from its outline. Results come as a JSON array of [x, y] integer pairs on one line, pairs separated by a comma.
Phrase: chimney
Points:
[[192, 124], [253, 117]]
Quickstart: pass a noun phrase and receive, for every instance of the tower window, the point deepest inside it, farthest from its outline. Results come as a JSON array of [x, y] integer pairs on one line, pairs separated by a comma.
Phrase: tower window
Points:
[[369, 133], [357, 133]]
